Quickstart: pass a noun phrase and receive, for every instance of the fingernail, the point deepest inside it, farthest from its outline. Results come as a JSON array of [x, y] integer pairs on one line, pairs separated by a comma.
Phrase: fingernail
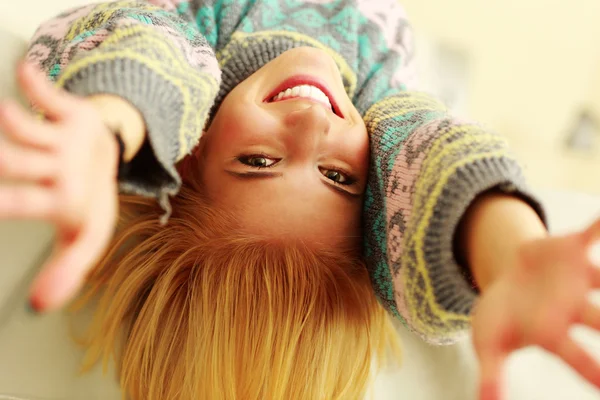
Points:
[[32, 307]]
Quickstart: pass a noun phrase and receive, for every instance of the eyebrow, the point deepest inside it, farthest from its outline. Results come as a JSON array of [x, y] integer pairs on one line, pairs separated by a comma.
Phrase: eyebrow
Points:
[[251, 175]]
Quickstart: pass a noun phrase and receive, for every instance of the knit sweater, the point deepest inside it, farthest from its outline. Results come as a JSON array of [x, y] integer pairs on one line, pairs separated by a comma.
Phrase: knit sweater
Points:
[[176, 60]]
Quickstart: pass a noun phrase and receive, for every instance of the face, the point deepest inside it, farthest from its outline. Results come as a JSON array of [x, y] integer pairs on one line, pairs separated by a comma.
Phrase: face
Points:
[[287, 152]]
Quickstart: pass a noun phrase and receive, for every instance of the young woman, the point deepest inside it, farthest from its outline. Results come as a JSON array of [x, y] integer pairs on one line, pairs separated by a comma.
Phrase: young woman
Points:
[[263, 120]]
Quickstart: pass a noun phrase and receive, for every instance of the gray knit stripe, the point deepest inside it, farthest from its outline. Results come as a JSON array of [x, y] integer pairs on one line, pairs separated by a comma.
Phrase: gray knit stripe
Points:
[[248, 57]]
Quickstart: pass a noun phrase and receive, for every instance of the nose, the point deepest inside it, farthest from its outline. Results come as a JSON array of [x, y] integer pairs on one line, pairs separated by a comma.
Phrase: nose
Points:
[[308, 125]]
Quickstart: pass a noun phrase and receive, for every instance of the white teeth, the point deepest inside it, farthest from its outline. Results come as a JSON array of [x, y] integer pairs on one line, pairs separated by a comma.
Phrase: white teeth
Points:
[[323, 97], [305, 91]]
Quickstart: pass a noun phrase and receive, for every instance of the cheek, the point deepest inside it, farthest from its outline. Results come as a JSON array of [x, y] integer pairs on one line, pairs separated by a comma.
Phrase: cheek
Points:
[[364, 151], [231, 126], [359, 148]]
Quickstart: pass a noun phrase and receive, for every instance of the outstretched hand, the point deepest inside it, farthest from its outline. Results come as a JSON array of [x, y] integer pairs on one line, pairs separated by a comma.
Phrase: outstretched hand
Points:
[[61, 169], [536, 303]]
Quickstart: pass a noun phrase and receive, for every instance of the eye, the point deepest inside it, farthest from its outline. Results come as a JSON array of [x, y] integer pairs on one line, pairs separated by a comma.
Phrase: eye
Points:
[[338, 177], [257, 161]]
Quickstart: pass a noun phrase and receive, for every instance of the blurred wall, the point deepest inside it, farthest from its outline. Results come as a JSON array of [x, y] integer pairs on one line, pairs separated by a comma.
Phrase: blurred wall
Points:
[[533, 66]]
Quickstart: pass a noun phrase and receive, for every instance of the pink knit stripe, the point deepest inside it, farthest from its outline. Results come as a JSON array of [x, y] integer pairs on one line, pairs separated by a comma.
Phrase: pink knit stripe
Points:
[[169, 5], [390, 18], [399, 195], [87, 44], [38, 54], [399, 191], [196, 56], [57, 28], [387, 15], [401, 304]]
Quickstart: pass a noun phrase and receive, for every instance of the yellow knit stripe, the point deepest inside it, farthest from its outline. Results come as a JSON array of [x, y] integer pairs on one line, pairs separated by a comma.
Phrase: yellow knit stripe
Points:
[[177, 67], [442, 149], [95, 19], [138, 36], [418, 236], [149, 39], [404, 98], [373, 124], [416, 98], [101, 14], [150, 64], [155, 64], [401, 106], [240, 37]]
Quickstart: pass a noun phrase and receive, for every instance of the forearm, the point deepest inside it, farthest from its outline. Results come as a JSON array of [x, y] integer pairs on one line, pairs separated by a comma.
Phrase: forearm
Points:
[[121, 116], [491, 233]]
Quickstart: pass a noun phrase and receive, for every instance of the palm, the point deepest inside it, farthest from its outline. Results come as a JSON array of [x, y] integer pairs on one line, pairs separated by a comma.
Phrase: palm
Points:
[[536, 304]]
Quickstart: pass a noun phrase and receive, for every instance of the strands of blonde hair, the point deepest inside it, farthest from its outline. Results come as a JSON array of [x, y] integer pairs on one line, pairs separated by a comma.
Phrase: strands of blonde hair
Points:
[[197, 310]]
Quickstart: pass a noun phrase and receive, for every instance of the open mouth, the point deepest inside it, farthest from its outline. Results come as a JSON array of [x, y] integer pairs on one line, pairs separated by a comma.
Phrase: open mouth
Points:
[[302, 87]]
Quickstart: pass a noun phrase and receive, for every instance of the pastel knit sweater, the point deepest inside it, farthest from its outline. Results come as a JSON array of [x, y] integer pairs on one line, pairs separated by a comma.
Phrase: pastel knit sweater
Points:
[[176, 60]]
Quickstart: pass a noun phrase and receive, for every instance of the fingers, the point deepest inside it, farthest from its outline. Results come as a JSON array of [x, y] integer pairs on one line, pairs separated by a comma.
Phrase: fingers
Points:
[[592, 234], [490, 375], [595, 277], [23, 164], [60, 279], [67, 269], [574, 355], [42, 93], [591, 316], [21, 127], [65, 273], [31, 202]]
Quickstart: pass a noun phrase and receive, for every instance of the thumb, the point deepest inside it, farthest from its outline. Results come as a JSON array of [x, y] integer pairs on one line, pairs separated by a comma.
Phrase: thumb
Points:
[[490, 367]]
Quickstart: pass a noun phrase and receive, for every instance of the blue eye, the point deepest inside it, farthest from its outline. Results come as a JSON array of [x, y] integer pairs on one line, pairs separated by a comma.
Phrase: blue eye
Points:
[[257, 161]]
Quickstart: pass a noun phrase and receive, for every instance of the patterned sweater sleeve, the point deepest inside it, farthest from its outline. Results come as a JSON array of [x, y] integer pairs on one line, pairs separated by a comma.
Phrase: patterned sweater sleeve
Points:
[[426, 168], [149, 53]]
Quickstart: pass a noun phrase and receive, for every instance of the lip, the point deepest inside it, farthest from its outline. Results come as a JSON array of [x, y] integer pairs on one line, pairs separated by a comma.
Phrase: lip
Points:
[[299, 80]]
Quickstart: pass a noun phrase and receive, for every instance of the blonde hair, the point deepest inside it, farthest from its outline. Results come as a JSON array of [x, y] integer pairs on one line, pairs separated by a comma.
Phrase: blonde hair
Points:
[[197, 310]]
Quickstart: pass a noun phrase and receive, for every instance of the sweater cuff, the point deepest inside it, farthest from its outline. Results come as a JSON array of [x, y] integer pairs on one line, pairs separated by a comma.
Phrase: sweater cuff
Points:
[[171, 130], [453, 285]]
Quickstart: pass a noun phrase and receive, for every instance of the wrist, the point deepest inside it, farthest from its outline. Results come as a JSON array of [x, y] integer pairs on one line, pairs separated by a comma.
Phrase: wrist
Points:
[[492, 233], [123, 119]]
